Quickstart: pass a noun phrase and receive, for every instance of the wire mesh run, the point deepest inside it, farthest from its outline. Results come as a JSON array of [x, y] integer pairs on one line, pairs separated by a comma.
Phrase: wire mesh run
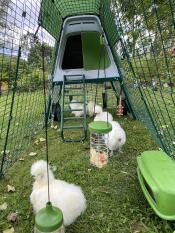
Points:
[[146, 54], [141, 35], [21, 76], [111, 98]]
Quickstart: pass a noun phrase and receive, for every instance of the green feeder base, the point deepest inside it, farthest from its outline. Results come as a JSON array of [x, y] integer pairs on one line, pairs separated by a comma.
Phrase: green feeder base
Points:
[[156, 173], [102, 127], [49, 219]]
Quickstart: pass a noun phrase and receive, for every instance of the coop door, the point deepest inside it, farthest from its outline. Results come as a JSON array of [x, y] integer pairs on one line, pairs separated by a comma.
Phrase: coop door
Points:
[[85, 51], [73, 57], [94, 53]]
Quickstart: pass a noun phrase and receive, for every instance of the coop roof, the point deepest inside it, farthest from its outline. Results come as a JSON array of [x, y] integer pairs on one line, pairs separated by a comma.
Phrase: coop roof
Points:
[[53, 13]]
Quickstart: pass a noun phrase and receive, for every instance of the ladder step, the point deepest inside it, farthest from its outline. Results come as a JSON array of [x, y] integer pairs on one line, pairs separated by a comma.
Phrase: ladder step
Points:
[[73, 88], [73, 118], [73, 110], [73, 95], [74, 139], [73, 127], [73, 81], [77, 102]]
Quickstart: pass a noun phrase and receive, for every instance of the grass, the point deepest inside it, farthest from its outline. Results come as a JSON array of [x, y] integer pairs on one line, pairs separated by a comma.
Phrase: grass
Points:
[[115, 200], [27, 116], [26, 119], [161, 107]]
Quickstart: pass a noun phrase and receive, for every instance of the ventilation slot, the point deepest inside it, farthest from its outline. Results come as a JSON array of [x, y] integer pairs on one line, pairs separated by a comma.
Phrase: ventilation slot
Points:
[[88, 23], [71, 24]]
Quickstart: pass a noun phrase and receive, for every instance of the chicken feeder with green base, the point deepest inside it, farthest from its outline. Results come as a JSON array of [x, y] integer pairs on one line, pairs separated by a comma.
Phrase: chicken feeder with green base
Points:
[[156, 173], [49, 219]]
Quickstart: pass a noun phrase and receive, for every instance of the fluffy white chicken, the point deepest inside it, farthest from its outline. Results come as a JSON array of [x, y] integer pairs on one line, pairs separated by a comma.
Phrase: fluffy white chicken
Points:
[[98, 109], [116, 138], [90, 108], [73, 105], [103, 116], [68, 197]]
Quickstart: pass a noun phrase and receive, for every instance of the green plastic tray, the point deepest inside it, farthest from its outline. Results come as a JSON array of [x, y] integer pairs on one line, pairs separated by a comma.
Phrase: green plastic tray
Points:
[[156, 173]]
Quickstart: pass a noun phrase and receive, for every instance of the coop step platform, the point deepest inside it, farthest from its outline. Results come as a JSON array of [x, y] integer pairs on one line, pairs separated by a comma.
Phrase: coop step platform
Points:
[[73, 118], [73, 94], [72, 88], [156, 173], [75, 102], [73, 127]]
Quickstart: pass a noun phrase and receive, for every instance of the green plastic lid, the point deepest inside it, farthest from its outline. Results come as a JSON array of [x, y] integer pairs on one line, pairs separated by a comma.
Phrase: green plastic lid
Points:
[[100, 127], [49, 218]]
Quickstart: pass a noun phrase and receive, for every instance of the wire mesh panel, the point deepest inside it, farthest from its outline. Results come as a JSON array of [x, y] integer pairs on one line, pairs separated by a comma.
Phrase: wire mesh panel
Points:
[[147, 55], [22, 43], [53, 12], [141, 35], [111, 98], [97, 96], [98, 150]]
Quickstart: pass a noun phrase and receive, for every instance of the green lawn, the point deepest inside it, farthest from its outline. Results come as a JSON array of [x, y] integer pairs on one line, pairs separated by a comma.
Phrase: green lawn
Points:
[[161, 105], [27, 115], [115, 201], [26, 119]]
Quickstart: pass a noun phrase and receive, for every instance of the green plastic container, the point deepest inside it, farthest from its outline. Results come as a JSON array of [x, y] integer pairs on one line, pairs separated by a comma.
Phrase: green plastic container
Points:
[[49, 219], [156, 173], [100, 127]]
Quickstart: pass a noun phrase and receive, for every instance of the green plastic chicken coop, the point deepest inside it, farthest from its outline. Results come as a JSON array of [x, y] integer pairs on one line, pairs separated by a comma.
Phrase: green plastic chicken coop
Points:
[[75, 46], [156, 172]]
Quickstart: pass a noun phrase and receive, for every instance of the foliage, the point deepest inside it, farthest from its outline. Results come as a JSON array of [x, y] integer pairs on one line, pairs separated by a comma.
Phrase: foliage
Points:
[[8, 68], [4, 4], [147, 32], [149, 69], [138, 22], [37, 52], [30, 71], [32, 80]]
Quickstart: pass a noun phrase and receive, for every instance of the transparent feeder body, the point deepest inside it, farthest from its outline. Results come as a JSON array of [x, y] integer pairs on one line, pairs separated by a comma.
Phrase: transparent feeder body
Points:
[[99, 151], [60, 230]]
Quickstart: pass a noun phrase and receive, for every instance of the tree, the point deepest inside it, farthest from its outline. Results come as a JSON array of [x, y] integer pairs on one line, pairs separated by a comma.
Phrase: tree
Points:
[[144, 23], [35, 55], [4, 4], [147, 32]]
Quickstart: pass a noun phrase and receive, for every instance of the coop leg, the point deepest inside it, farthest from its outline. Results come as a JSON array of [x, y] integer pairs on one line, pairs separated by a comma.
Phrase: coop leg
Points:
[[104, 97], [47, 114]]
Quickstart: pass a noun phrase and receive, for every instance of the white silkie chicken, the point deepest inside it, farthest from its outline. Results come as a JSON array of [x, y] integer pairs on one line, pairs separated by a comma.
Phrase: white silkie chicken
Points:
[[90, 108], [116, 138], [102, 116], [73, 105], [68, 197]]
